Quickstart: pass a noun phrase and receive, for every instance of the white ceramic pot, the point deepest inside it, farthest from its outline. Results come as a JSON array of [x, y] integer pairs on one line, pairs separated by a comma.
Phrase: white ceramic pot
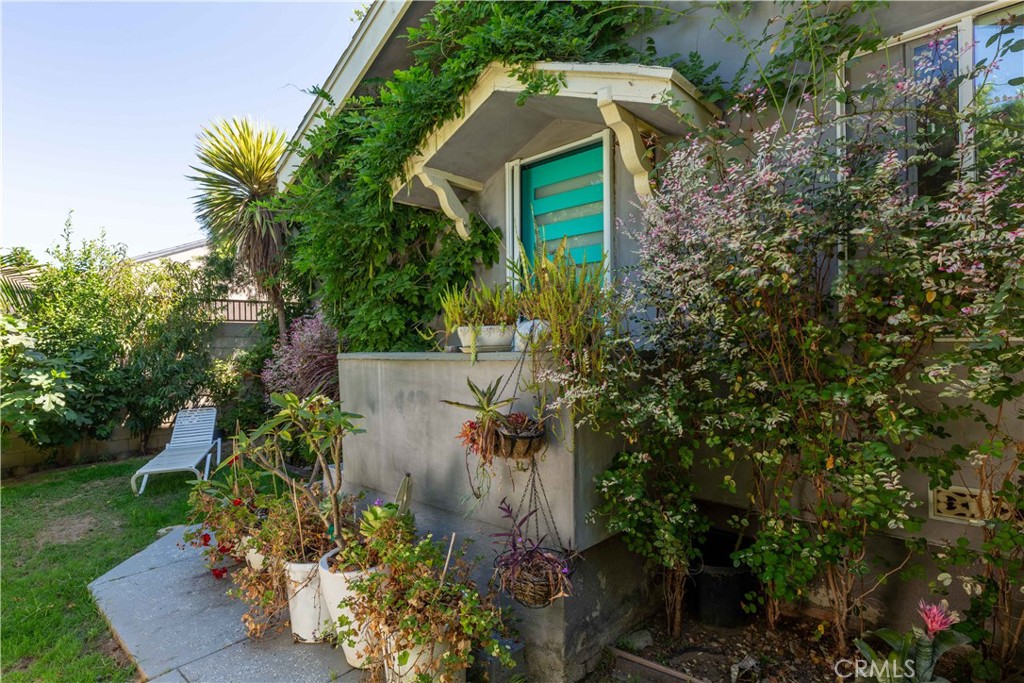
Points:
[[529, 331], [253, 558], [489, 337], [305, 604], [418, 656], [335, 587]]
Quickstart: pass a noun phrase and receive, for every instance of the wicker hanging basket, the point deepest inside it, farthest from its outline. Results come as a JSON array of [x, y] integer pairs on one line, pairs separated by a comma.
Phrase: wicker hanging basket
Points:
[[519, 446], [533, 588]]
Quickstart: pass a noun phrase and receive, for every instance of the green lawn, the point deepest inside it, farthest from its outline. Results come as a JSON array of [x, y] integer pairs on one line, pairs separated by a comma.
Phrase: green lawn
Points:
[[60, 530]]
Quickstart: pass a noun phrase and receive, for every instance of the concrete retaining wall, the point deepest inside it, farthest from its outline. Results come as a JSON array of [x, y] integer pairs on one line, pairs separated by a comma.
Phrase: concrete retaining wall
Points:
[[409, 429], [18, 458]]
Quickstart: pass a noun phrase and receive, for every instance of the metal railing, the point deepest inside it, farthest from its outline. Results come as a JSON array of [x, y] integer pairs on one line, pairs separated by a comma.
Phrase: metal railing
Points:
[[240, 310]]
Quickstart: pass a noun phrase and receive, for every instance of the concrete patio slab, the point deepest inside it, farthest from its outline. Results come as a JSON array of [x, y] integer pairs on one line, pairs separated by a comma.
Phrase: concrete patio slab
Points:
[[178, 625]]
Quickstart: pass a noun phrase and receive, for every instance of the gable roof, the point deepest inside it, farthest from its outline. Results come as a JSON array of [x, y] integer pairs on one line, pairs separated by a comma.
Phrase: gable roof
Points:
[[377, 50]]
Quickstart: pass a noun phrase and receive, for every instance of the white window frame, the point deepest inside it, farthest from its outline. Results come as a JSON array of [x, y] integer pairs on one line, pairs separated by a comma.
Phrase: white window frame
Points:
[[963, 25], [513, 196]]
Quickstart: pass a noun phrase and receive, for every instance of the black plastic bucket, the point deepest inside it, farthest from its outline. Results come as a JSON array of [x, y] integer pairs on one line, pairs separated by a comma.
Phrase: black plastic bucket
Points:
[[719, 586]]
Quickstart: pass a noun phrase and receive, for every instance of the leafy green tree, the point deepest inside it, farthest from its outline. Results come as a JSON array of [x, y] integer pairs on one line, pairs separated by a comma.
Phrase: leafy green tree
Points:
[[83, 307], [37, 392], [168, 360], [236, 175]]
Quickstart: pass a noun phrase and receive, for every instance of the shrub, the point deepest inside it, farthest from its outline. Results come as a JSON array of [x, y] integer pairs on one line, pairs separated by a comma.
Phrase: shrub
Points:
[[306, 362], [38, 391], [168, 361], [85, 305]]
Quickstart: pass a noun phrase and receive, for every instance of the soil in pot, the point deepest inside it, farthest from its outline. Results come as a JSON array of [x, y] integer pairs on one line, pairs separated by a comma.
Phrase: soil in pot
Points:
[[720, 587]]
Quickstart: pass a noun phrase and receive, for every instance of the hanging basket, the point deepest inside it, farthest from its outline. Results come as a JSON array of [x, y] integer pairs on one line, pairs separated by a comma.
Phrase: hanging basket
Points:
[[536, 587], [522, 445]]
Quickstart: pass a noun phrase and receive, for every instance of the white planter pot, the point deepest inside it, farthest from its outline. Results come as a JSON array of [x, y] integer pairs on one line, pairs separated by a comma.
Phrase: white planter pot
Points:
[[419, 656], [488, 337], [529, 331], [334, 586], [305, 604], [253, 557]]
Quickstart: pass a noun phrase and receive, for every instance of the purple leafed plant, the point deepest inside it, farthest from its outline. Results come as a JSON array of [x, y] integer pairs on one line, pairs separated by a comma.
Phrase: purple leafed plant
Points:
[[533, 574], [306, 363]]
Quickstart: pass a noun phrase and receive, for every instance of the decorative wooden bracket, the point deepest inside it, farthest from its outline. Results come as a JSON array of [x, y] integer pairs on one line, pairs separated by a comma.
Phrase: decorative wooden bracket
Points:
[[441, 184], [631, 144]]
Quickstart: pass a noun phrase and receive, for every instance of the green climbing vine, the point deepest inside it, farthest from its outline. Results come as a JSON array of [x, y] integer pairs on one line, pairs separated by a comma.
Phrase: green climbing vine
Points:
[[381, 267]]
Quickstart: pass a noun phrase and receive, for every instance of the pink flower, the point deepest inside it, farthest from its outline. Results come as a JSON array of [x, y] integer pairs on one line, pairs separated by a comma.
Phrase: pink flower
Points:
[[936, 617]]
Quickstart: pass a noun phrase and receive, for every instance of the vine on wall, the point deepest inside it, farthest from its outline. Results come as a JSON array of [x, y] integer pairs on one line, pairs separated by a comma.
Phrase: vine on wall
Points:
[[381, 267]]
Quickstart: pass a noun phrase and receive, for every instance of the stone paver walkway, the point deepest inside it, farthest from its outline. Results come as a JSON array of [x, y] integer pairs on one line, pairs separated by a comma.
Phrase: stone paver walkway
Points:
[[178, 625]]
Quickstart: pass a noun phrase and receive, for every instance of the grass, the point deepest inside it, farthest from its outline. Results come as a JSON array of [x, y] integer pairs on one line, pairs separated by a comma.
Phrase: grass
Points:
[[59, 530]]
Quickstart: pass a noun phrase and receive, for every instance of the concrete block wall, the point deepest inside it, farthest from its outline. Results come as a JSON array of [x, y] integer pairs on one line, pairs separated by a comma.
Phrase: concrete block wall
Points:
[[18, 457]]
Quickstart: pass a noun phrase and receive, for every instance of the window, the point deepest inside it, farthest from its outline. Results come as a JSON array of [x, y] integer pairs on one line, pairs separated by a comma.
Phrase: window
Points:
[[564, 194], [933, 52]]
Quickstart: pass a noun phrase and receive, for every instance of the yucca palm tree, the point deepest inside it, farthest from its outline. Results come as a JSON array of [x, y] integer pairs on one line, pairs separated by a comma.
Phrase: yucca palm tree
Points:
[[237, 173]]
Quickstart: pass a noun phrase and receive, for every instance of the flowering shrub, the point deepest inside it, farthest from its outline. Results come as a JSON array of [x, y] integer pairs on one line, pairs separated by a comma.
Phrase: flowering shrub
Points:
[[305, 363], [803, 280]]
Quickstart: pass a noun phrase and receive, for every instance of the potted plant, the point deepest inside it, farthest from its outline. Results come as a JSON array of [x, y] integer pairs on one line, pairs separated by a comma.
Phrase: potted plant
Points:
[[484, 317], [223, 515], [515, 436], [424, 612], [534, 575], [341, 567], [319, 425]]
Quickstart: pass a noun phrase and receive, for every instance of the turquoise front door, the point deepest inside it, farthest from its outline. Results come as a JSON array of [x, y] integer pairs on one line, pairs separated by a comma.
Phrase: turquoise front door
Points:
[[563, 196]]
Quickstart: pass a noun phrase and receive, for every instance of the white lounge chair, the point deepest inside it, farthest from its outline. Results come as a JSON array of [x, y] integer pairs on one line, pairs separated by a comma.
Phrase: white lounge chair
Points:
[[191, 443]]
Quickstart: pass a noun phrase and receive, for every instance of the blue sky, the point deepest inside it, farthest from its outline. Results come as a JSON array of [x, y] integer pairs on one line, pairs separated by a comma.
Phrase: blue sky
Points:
[[102, 101]]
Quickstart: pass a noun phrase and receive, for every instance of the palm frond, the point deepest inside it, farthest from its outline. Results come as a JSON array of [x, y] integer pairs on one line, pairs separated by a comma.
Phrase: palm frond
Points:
[[15, 291], [236, 173]]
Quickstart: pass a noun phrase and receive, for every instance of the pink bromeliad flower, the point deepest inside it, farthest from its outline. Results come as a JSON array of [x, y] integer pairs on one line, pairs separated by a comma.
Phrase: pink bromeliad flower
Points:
[[936, 617]]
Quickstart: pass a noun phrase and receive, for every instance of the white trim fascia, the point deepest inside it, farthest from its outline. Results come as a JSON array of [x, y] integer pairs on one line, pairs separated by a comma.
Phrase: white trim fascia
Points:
[[609, 203], [170, 251], [633, 83], [380, 22], [512, 208]]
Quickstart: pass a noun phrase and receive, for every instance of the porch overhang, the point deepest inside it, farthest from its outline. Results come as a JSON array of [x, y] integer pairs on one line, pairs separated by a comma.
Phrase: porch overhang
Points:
[[635, 101]]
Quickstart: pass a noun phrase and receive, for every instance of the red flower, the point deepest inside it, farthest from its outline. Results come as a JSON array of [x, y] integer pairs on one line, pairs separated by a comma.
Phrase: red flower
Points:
[[231, 460], [236, 501], [224, 548], [219, 572], [205, 538]]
